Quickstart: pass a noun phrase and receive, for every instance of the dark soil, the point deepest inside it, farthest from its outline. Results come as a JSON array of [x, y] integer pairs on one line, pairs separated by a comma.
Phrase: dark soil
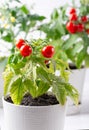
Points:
[[72, 66], [44, 100]]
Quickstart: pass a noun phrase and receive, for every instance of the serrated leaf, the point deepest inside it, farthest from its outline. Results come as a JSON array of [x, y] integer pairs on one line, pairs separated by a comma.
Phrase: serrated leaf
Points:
[[8, 37], [13, 59], [65, 75], [42, 87], [24, 9], [72, 93], [18, 66], [76, 48], [55, 14], [72, 40], [60, 92], [36, 17], [16, 61], [30, 87], [80, 58], [69, 54], [61, 64], [17, 89], [7, 75], [42, 74], [60, 27], [61, 55], [63, 89]]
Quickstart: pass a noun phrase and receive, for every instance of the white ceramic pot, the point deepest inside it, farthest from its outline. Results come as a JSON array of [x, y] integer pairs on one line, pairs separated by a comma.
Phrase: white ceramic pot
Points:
[[77, 78], [2, 66], [17, 117]]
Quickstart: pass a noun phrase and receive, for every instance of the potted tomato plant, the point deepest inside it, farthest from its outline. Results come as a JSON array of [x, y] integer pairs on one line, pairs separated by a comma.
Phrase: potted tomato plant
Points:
[[13, 24], [78, 26], [70, 35], [28, 103]]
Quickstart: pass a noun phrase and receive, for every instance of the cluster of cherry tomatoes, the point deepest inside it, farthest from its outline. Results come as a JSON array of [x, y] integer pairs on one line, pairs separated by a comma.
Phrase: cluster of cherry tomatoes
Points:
[[26, 50], [76, 24]]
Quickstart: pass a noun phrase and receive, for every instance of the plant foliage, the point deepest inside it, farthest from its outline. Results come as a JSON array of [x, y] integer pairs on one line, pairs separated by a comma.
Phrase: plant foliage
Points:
[[30, 74]]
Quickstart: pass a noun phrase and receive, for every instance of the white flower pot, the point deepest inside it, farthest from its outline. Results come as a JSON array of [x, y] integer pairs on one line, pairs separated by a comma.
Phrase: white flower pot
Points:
[[2, 66], [77, 78], [17, 117]]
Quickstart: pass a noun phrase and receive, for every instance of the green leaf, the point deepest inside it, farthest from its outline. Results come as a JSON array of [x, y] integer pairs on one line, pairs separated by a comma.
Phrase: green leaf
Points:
[[24, 9], [72, 40], [36, 17], [43, 75], [69, 54], [55, 14], [16, 61], [17, 89], [18, 1], [63, 89], [45, 28], [62, 66], [72, 93], [81, 56], [23, 24], [13, 59], [15, 0], [8, 37], [87, 60], [65, 75], [76, 48], [60, 27], [8, 75], [42, 87], [60, 92], [61, 55], [30, 87]]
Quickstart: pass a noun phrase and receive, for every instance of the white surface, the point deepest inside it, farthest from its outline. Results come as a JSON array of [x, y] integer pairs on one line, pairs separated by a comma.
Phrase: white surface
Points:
[[79, 121]]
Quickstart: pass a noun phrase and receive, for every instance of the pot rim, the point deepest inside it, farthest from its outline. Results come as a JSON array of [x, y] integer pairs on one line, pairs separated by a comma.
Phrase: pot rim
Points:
[[22, 106], [80, 69]]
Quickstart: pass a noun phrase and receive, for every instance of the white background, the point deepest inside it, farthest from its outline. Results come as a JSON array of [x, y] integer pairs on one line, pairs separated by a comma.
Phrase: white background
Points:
[[45, 7]]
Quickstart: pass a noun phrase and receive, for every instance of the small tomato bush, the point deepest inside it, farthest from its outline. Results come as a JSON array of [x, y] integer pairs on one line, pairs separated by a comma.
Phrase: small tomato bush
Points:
[[27, 71]]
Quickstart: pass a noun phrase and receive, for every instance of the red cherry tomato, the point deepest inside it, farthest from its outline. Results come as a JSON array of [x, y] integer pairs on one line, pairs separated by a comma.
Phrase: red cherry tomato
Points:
[[80, 27], [26, 50], [71, 27], [48, 51], [73, 17], [72, 10], [84, 19], [20, 43]]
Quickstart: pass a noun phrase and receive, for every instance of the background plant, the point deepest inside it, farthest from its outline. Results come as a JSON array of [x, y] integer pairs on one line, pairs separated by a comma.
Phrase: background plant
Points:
[[28, 72], [16, 21], [69, 33]]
